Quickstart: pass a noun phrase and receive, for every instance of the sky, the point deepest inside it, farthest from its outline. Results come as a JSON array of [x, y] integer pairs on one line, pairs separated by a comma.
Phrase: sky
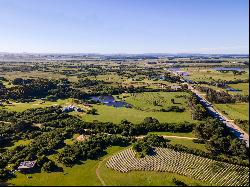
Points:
[[124, 26]]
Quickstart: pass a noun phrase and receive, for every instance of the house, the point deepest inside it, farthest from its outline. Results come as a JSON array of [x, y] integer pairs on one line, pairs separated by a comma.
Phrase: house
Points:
[[71, 108], [82, 138], [176, 88], [78, 109], [26, 165]]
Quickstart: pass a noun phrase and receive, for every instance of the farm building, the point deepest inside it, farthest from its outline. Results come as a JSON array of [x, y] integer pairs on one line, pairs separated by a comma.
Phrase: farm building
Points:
[[82, 138], [176, 87], [26, 165], [71, 108]]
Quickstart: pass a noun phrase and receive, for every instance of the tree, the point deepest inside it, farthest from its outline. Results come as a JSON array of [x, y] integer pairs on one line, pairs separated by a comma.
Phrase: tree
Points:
[[172, 100], [92, 111], [48, 166]]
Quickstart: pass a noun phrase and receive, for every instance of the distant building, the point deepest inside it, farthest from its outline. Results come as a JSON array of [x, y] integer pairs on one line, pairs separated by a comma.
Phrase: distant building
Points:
[[176, 87], [26, 165], [71, 108]]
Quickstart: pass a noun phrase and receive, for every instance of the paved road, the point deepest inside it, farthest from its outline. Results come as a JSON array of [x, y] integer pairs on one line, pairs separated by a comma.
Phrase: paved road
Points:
[[238, 132]]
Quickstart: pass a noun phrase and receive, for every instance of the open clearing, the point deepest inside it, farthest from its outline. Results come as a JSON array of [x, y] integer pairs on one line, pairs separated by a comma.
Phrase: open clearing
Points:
[[235, 111], [85, 174], [143, 107]]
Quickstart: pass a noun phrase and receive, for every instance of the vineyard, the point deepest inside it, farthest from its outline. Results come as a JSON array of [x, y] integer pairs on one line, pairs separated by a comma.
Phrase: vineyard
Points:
[[195, 167]]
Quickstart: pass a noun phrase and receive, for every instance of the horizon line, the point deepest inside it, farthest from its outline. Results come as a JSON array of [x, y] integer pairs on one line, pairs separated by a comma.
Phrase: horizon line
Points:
[[124, 53]]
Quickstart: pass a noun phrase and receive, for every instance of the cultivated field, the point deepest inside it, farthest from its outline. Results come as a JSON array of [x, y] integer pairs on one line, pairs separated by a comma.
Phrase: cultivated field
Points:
[[195, 167]]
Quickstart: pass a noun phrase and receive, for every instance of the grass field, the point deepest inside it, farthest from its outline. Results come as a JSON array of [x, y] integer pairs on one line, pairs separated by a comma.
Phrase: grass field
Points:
[[241, 86], [244, 87], [190, 134], [19, 107], [235, 111], [187, 143], [85, 174], [143, 107], [145, 101], [115, 115], [199, 74], [19, 142]]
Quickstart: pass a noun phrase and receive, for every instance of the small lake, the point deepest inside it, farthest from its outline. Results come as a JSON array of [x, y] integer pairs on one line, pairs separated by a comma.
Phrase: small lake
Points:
[[109, 100], [227, 69], [233, 90], [174, 69]]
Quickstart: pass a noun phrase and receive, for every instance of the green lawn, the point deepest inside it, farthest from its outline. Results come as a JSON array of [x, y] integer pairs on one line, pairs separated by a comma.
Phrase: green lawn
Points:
[[241, 86], [143, 107], [187, 143], [190, 134], [206, 74], [78, 175], [19, 107], [85, 174], [235, 111], [145, 101], [19, 142], [115, 115]]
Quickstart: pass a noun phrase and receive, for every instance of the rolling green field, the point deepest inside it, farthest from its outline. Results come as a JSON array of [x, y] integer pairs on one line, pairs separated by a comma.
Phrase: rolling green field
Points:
[[142, 102], [241, 86], [235, 111], [18, 143], [85, 174], [190, 134], [115, 115], [203, 74], [187, 143], [143, 107], [19, 107], [145, 101]]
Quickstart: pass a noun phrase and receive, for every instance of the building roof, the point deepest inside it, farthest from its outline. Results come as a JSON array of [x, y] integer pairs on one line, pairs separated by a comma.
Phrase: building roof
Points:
[[27, 164]]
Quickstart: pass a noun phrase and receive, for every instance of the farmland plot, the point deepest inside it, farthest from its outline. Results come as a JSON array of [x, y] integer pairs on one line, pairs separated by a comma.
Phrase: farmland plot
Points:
[[167, 160]]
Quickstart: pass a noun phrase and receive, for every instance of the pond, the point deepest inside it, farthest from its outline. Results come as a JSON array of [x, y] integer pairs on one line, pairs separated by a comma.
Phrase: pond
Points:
[[227, 69], [178, 70], [233, 90], [174, 69], [109, 100]]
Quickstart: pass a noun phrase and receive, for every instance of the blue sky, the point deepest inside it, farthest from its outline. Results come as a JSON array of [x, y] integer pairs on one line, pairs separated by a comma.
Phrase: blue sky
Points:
[[124, 26]]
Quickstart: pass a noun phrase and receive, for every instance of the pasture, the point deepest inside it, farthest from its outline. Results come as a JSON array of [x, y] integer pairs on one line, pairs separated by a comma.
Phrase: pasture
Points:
[[207, 74], [19, 107], [85, 174], [143, 107], [234, 111]]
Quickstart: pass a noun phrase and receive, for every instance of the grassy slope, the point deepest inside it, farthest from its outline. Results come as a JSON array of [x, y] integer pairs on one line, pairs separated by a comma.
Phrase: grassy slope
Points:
[[235, 111], [85, 174], [187, 143], [241, 86], [197, 74], [143, 101], [190, 134], [19, 107]]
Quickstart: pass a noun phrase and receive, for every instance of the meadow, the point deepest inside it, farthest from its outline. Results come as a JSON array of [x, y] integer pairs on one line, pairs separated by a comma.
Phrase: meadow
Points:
[[143, 107], [84, 174], [207, 74], [235, 111]]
